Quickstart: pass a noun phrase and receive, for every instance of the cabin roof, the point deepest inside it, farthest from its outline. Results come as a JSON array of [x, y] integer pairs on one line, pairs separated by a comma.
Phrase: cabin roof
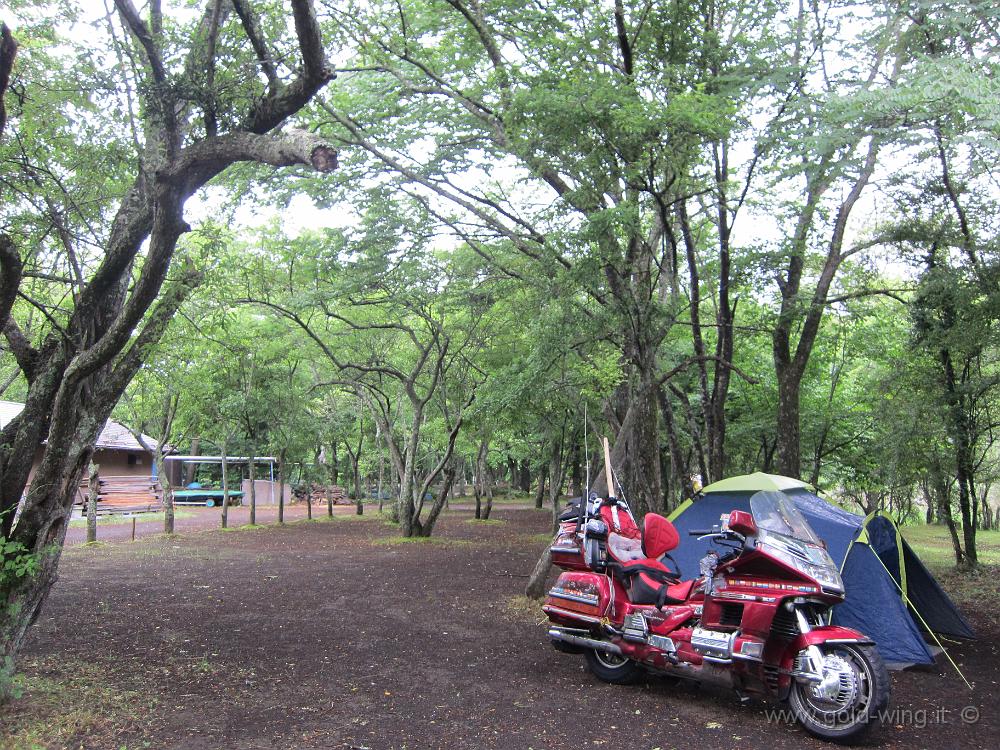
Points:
[[114, 436]]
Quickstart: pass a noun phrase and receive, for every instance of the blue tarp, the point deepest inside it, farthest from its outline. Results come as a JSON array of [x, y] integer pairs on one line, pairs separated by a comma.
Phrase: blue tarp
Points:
[[873, 604]]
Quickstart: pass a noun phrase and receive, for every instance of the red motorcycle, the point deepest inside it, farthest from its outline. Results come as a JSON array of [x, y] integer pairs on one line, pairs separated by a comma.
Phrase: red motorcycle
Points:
[[755, 619]]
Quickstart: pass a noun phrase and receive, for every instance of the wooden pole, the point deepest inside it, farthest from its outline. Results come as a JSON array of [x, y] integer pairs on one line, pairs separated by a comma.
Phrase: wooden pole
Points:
[[93, 492], [608, 475]]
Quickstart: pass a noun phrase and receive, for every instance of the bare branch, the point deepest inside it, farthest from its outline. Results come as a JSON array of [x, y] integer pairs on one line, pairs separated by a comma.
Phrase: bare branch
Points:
[[251, 28]]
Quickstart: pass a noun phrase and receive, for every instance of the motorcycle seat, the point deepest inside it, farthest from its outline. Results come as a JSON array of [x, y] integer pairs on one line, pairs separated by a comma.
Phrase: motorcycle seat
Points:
[[651, 582]]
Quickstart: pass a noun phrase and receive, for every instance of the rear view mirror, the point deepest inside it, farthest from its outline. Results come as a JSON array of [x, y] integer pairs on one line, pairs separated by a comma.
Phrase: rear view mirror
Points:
[[742, 523]]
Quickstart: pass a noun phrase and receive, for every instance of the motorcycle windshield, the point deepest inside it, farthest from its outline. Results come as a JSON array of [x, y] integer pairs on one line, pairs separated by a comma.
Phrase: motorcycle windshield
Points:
[[774, 511]]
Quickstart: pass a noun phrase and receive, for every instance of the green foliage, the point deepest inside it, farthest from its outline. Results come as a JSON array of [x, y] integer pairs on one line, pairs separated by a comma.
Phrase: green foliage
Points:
[[18, 562]]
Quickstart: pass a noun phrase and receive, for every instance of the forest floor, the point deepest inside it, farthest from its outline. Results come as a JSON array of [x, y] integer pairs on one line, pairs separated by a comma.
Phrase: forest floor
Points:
[[339, 634]]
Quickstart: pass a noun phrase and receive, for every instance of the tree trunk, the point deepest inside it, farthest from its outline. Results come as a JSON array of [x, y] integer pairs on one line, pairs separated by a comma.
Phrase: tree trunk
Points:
[[787, 422], [944, 511], [427, 526], [381, 468], [645, 488], [928, 501], [225, 487], [484, 474], [557, 474], [524, 476], [281, 485], [168, 497], [488, 492], [576, 470], [477, 489], [462, 480], [543, 474], [358, 497], [251, 471], [536, 588], [189, 470], [682, 485], [962, 439]]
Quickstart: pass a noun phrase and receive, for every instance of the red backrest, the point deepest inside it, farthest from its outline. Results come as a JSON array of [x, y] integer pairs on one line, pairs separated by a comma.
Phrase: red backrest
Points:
[[624, 526], [658, 536]]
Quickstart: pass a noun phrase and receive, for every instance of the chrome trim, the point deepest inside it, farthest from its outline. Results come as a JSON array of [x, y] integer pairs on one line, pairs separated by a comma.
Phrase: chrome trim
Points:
[[569, 613], [663, 643], [592, 599], [559, 634]]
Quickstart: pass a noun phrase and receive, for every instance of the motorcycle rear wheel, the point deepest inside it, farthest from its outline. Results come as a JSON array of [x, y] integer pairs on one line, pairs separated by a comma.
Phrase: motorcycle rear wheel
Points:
[[612, 668], [849, 712]]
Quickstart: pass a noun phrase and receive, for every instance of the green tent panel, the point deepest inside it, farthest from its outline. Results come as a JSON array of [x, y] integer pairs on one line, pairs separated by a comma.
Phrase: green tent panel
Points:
[[755, 483]]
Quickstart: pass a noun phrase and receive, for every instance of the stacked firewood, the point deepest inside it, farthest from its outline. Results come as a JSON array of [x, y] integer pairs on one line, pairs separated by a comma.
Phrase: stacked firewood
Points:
[[318, 493]]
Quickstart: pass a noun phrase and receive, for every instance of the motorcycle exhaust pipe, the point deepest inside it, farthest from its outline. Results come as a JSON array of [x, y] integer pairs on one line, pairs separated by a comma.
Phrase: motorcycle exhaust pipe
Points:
[[557, 634]]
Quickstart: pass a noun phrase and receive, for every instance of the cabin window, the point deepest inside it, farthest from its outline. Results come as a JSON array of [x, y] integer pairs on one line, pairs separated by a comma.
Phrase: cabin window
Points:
[[133, 459]]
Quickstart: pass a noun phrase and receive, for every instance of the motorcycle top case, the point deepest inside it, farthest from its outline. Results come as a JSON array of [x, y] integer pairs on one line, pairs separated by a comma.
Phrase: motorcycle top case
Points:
[[578, 599]]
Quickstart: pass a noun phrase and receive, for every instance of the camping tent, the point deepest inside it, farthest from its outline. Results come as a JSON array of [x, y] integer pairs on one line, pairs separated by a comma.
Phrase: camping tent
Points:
[[891, 596]]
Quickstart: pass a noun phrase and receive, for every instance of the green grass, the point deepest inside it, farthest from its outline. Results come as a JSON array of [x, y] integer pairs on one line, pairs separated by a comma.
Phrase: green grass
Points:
[[486, 521], [933, 545], [523, 608], [119, 520], [69, 704], [370, 515], [251, 527], [977, 590], [391, 541]]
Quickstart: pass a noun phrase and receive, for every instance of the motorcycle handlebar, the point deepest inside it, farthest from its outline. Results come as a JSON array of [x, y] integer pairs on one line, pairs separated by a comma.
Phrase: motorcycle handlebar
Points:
[[703, 532]]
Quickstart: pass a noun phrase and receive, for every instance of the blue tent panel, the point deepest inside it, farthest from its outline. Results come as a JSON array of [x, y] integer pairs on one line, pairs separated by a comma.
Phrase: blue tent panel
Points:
[[934, 605], [874, 607], [923, 592]]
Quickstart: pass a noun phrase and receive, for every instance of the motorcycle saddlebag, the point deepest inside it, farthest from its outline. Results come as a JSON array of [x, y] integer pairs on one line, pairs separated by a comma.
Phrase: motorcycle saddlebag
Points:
[[578, 599]]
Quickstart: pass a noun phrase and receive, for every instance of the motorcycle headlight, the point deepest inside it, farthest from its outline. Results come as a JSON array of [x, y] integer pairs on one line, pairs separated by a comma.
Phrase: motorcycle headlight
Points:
[[812, 561]]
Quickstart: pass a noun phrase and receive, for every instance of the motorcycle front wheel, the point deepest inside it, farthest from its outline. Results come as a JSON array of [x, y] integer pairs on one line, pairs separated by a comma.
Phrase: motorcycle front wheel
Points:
[[611, 667], [851, 699]]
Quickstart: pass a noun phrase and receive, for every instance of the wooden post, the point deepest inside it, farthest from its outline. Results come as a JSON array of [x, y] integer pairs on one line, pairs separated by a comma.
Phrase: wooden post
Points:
[[133, 528], [608, 474], [93, 492]]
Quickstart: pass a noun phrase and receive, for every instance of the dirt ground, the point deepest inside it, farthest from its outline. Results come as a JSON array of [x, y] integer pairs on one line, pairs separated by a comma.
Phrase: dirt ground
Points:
[[335, 634]]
